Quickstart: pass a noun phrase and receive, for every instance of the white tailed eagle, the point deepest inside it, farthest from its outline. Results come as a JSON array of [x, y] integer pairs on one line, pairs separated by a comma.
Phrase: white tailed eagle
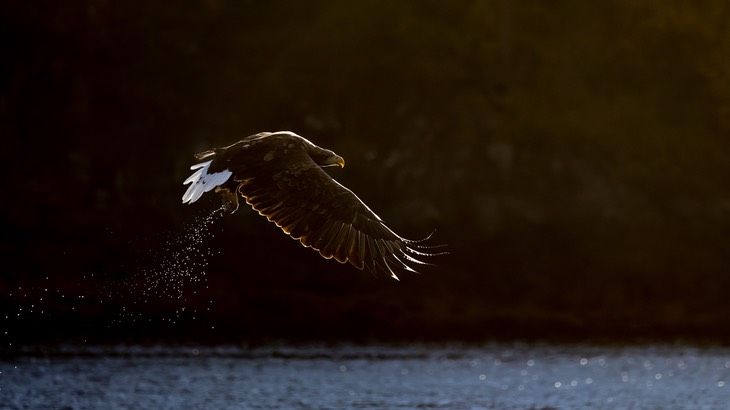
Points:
[[280, 175]]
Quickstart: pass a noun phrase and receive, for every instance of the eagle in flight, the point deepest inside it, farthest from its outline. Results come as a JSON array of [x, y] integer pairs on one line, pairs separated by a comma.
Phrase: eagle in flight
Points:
[[280, 175]]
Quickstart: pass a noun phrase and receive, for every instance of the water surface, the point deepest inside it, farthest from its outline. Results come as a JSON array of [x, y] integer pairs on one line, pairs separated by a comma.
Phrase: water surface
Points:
[[494, 376]]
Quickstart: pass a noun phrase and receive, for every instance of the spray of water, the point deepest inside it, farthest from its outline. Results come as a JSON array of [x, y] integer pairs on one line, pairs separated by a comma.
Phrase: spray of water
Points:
[[181, 261], [152, 279], [169, 274]]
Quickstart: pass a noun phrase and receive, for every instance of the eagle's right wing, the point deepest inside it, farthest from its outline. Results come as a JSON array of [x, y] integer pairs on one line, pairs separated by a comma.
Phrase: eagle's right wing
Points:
[[309, 205]]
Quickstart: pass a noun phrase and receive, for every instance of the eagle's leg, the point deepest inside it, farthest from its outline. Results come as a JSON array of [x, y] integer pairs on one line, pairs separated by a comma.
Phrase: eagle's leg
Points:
[[230, 199]]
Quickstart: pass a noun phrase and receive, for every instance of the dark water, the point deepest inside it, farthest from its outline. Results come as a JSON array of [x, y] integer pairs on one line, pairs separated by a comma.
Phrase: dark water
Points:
[[495, 376]]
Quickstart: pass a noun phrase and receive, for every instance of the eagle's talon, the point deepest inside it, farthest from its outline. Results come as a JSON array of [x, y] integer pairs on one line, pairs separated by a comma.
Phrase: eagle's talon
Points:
[[230, 200]]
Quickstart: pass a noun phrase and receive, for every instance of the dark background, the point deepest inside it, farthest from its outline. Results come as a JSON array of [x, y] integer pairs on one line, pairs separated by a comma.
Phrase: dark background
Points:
[[574, 156]]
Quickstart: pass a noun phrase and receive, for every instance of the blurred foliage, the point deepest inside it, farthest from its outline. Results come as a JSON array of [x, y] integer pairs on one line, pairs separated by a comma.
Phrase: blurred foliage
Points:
[[575, 156]]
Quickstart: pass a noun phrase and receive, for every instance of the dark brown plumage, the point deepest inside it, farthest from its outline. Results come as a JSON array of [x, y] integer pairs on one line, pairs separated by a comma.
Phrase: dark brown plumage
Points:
[[280, 175]]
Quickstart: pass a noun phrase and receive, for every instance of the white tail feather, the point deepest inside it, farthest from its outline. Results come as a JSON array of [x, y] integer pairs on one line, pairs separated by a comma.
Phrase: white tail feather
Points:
[[201, 181]]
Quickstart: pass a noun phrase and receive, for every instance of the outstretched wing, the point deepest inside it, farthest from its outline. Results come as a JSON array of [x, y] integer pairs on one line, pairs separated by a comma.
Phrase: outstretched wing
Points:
[[309, 205]]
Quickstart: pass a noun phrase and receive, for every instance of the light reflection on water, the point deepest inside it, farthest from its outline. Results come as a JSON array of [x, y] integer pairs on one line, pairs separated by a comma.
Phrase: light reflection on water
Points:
[[500, 376]]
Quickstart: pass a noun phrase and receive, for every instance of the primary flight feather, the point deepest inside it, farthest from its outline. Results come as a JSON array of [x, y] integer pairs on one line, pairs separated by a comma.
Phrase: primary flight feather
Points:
[[280, 175]]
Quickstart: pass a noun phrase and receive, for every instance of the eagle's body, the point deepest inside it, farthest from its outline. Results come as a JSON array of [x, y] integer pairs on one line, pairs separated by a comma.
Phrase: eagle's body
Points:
[[280, 175]]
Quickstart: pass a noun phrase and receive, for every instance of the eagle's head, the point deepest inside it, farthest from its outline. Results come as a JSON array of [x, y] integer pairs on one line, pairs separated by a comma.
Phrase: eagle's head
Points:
[[325, 158]]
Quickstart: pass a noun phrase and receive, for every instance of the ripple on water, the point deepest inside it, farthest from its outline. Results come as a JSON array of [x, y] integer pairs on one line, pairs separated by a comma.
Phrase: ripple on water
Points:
[[281, 376]]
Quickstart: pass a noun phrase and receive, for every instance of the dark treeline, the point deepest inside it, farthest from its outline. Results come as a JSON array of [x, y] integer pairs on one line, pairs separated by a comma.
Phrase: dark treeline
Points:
[[574, 156]]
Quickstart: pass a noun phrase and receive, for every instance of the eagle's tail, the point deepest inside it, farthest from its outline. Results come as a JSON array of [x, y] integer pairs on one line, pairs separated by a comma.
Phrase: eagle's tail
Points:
[[201, 181]]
